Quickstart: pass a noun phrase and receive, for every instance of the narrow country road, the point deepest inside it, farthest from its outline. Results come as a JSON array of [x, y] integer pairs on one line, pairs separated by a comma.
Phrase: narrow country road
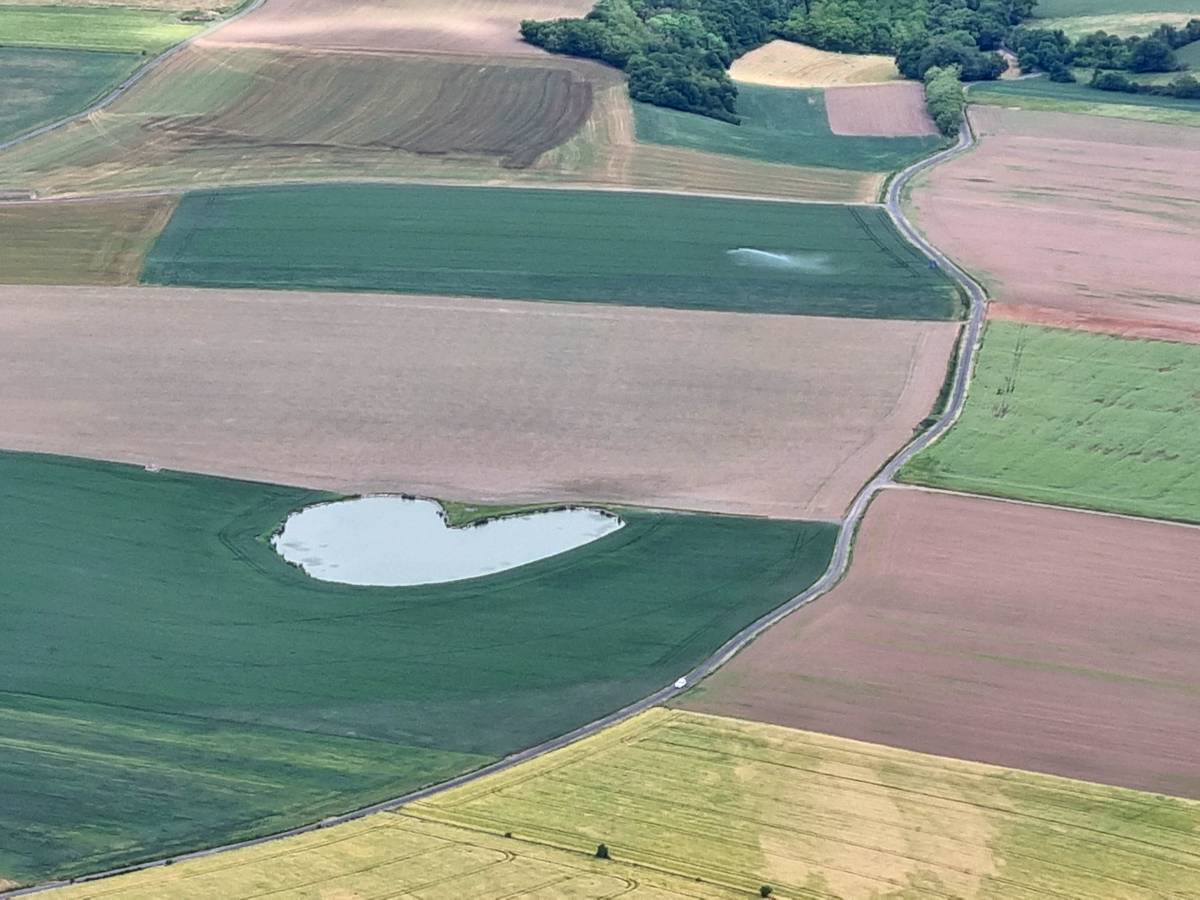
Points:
[[838, 564]]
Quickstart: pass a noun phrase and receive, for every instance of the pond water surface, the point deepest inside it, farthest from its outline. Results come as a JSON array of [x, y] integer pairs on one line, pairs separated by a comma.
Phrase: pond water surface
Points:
[[394, 541]]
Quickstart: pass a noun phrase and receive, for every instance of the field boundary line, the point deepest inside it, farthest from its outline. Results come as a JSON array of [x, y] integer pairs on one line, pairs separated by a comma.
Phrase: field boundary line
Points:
[[1038, 504], [134, 193], [838, 565], [121, 89]]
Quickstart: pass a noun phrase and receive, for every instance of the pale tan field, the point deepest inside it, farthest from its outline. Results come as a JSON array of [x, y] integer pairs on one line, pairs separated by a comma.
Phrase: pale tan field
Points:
[[470, 399], [886, 110], [101, 242], [487, 28], [223, 116], [399, 856], [788, 64], [1075, 220]]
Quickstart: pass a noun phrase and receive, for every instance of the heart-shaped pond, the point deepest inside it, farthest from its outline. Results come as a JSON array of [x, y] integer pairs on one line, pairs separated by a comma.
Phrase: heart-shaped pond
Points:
[[393, 541]]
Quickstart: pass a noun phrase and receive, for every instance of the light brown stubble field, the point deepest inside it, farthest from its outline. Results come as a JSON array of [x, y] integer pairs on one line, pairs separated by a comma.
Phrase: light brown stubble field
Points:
[[1018, 635], [470, 399], [487, 28], [787, 64], [1075, 220], [885, 110]]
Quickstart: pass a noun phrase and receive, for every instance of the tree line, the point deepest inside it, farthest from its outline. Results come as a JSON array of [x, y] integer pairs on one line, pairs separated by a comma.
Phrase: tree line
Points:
[[1110, 57], [677, 53]]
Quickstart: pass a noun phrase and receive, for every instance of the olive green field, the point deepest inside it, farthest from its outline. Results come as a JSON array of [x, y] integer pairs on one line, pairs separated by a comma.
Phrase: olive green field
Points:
[[1076, 419], [43, 86], [637, 249], [780, 125], [170, 683]]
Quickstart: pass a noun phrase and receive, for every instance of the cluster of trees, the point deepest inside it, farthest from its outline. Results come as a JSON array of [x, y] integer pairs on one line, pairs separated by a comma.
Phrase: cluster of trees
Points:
[[944, 97], [1185, 87], [1039, 49], [921, 34], [677, 53]]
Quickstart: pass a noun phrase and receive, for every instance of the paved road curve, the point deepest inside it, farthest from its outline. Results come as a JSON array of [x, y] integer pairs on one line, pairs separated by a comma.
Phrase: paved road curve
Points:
[[837, 565]]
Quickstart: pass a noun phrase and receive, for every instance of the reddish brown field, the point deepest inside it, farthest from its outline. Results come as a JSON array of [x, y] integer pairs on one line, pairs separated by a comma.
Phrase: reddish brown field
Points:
[[888, 110], [1024, 636], [1077, 220], [470, 399], [475, 27]]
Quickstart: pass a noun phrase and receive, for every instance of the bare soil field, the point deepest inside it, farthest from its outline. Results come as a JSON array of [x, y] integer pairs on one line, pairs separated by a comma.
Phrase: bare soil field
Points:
[[1075, 219], [476, 400], [887, 110], [1025, 636], [87, 242], [788, 64], [487, 28]]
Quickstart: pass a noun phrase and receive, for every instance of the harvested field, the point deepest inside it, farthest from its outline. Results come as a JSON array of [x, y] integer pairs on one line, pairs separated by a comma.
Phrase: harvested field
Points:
[[887, 110], [115, 28], [1116, 206], [488, 28], [1076, 419], [1123, 24], [1024, 636], [633, 249], [741, 804], [212, 691], [782, 126], [84, 242], [306, 103], [387, 855], [42, 86], [791, 65], [468, 399], [153, 137]]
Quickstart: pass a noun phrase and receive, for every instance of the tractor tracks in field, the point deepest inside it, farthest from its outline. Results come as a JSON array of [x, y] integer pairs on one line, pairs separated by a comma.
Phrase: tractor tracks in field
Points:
[[838, 565]]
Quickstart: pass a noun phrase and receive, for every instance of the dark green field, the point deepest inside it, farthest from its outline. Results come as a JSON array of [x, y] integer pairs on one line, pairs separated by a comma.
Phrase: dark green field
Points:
[[42, 86], [781, 125], [168, 682], [605, 247]]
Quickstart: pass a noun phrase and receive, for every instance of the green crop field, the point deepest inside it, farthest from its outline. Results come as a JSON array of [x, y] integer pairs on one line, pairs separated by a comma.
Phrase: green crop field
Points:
[[1076, 419], [115, 28], [782, 125], [42, 86], [1043, 94], [169, 682], [600, 246]]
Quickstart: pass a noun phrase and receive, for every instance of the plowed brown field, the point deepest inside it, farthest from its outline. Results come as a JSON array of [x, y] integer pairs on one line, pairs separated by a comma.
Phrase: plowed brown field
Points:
[[472, 399], [1075, 220], [886, 110], [1024, 636], [478, 27]]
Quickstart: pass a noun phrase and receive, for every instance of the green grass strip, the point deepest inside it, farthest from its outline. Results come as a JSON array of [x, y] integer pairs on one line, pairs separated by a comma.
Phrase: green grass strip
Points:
[[116, 28]]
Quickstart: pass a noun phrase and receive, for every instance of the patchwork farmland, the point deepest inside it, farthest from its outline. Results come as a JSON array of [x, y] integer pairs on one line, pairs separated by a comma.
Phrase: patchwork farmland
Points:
[[325, 249], [782, 416], [219, 638], [1051, 640]]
